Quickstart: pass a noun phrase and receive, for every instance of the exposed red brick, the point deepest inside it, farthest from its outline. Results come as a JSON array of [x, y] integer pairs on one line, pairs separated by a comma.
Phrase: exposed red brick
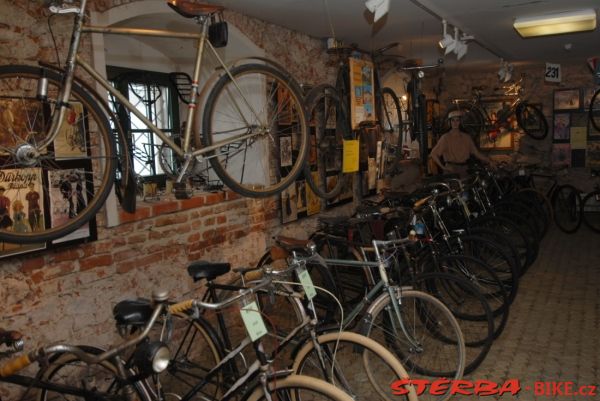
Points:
[[31, 264], [209, 221], [95, 261], [140, 214], [221, 219], [192, 203], [170, 220], [163, 208], [206, 211], [211, 199], [137, 238], [68, 254], [194, 237], [37, 277], [125, 254], [230, 195]]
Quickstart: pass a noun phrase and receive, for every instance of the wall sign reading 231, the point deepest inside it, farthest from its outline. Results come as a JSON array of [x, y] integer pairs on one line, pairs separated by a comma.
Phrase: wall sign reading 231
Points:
[[552, 73]]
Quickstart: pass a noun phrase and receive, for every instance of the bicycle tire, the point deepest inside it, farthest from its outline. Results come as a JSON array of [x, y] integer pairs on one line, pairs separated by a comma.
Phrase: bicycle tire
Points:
[[99, 378], [391, 123], [72, 184], [379, 367], [256, 158], [438, 333], [472, 121], [298, 387], [470, 308], [531, 119], [535, 205], [195, 349], [322, 106], [500, 240], [542, 201], [591, 211], [486, 282], [566, 203], [496, 258], [594, 111]]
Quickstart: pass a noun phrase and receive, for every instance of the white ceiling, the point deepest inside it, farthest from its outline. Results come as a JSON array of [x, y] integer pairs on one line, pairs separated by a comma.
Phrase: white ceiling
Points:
[[416, 25]]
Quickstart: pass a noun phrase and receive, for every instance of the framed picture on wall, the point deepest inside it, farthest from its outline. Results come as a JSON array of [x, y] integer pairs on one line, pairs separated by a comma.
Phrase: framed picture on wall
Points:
[[567, 99], [561, 127], [362, 99]]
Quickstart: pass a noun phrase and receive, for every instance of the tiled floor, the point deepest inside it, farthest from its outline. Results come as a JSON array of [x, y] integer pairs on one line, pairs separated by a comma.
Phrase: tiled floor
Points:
[[553, 332]]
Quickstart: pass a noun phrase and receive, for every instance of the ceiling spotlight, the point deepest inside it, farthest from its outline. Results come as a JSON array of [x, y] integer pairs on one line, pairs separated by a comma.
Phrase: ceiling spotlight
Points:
[[505, 71], [378, 7], [553, 24], [446, 38], [452, 45], [461, 49]]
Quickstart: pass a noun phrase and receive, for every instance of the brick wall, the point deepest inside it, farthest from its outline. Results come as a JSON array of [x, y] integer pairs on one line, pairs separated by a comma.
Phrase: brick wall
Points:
[[67, 294]]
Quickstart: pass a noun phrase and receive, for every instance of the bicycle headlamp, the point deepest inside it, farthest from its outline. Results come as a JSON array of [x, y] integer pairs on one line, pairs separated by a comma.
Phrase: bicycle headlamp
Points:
[[151, 357]]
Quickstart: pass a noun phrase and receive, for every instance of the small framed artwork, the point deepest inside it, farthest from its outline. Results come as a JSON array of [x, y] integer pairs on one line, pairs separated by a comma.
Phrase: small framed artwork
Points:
[[561, 127], [71, 140], [496, 140], [588, 93], [567, 99], [561, 154], [285, 151], [289, 205]]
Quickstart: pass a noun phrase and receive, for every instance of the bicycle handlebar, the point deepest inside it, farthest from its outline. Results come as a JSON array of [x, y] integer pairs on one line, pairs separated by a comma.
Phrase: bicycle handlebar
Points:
[[190, 303]]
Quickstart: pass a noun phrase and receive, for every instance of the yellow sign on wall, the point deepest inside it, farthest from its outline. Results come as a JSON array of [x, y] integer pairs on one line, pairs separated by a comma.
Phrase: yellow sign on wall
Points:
[[351, 153]]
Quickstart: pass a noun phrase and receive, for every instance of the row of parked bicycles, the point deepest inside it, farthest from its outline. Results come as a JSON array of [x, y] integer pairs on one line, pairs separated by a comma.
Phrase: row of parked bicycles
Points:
[[413, 285]]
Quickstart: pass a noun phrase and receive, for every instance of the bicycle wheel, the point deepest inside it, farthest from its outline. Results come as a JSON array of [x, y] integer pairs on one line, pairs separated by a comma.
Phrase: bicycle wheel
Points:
[[426, 337], [324, 108], [195, 349], [537, 196], [591, 211], [532, 120], [594, 110], [391, 124], [298, 387], [261, 111], [354, 363], [485, 280], [495, 257], [566, 203], [470, 308], [63, 184], [100, 379]]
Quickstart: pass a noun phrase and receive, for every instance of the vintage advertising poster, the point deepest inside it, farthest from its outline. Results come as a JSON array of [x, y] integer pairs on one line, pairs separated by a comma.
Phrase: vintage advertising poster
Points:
[[21, 206], [313, 202], [20, 121], [68, 197], [301, 196], [561, 154], [285, 150], [70, 142], [362, 105], [289, 205]]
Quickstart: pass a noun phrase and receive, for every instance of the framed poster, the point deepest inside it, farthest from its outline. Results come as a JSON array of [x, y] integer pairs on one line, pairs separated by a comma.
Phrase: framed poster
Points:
[[285, 151], [567, 99], [561, 127], [561, 154], [362, 99], [16, 124], [21, 207], [289, 205], [70, 142]]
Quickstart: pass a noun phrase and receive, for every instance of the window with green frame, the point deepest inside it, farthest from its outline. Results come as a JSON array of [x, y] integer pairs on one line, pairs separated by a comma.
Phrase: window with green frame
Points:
[[153, 94]]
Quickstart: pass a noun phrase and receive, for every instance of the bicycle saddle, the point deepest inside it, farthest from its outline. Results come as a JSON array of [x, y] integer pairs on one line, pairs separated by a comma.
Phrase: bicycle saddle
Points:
[[132, 312], [208, 270], [189, 9]]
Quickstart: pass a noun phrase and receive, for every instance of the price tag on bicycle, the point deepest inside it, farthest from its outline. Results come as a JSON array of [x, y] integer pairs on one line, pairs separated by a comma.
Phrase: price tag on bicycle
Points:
[[255, 325], [306, 281]]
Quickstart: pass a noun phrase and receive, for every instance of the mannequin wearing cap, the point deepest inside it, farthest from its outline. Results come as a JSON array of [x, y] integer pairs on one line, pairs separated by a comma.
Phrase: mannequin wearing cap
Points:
[[455, 148]]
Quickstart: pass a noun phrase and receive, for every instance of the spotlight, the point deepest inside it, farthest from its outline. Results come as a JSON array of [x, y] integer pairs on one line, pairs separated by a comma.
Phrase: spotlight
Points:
[[461, 49], [378, 7], [446, 38], [452, 45]]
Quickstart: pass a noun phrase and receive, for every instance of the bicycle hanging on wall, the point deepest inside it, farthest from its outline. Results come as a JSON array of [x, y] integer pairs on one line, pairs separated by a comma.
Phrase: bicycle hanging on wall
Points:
[[239, 137]]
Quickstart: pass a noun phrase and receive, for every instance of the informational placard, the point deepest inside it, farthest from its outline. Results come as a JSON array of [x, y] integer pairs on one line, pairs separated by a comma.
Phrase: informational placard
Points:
[[350, 158], [307, 283], [362, 104], [552, 73]]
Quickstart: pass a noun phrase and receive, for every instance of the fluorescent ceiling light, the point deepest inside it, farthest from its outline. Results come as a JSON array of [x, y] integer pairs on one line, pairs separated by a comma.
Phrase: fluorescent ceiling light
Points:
[[553, 24]]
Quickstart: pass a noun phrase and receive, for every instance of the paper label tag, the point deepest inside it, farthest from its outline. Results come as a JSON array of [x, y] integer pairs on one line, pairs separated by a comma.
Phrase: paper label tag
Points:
[[255, 326], [307, 283], [521, 171]]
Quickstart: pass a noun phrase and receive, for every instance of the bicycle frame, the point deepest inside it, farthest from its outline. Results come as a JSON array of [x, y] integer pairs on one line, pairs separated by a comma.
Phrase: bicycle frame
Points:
[[185, 151]]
